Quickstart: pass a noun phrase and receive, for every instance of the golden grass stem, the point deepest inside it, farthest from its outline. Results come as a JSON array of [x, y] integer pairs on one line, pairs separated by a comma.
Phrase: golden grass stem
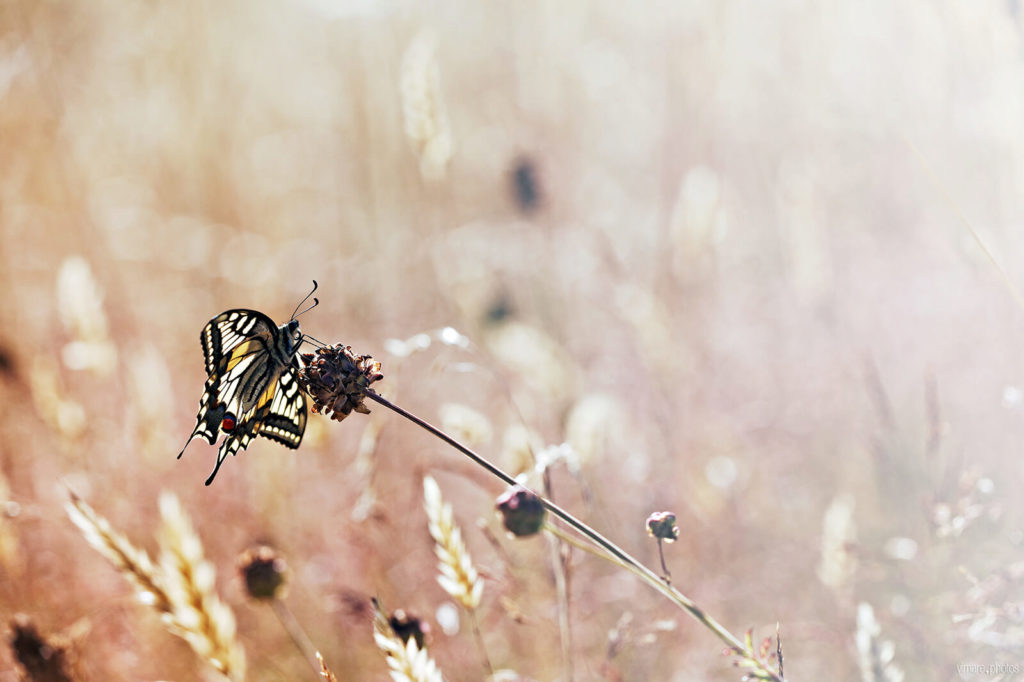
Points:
[[558, 566], [298, 636], [479, 636], [633, 565]]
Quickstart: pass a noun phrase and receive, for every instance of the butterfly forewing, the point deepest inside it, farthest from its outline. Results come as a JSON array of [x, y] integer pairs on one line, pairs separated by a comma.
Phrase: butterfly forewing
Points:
[[253, 387]]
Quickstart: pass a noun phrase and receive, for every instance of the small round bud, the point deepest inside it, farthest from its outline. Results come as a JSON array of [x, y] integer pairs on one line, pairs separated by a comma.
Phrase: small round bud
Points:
[[522, 511], [408, 626], [662, 525], [263, 571]]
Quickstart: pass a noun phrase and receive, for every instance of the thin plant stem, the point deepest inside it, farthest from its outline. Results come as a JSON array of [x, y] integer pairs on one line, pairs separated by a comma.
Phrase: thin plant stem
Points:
[[579, 544], [633, 565], [778, 646], [664, 569], [297, 634], [480, 642], [562, 590], [560, 567]]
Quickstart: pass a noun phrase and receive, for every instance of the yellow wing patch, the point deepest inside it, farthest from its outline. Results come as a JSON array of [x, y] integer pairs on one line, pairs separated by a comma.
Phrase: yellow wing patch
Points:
[[241, 352]]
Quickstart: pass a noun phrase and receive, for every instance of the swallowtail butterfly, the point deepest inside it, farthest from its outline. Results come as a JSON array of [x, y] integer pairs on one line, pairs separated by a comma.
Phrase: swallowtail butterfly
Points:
[[252, 387]]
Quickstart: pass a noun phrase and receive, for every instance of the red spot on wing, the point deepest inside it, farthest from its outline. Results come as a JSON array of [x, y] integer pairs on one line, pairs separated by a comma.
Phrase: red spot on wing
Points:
[[229, 422]]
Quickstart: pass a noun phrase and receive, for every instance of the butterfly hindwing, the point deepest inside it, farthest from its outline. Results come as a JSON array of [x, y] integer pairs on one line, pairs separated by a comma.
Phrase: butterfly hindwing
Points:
[[253, 388], [285, 420]]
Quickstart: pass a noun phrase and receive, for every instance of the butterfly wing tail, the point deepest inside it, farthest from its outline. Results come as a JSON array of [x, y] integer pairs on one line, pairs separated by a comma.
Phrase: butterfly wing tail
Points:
[[190, 439], [221, 456], [231, 445]]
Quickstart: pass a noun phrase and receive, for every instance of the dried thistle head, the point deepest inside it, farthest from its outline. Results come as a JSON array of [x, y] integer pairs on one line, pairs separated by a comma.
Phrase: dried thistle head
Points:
[[662, 525], [337, 379], [408, 662], [264, 572], [522, 511], [406, 626], [43, 660]]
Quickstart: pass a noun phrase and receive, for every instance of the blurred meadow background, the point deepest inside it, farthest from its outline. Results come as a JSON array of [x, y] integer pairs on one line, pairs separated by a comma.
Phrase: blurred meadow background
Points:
[[692, 241]]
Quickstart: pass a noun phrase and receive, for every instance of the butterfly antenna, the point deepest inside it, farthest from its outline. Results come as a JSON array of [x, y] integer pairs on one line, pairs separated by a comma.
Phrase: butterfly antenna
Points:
[[296, 313], [316, 302]]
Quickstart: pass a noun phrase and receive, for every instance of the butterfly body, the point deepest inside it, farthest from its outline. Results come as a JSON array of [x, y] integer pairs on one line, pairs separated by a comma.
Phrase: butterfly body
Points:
[[252, 387]]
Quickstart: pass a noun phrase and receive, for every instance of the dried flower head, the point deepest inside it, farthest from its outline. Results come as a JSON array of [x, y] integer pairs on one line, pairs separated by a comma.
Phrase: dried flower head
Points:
[[337, 380], [264, 572], [41, 659], [408, 626], [662, 525], [521, 511], [408, 662]]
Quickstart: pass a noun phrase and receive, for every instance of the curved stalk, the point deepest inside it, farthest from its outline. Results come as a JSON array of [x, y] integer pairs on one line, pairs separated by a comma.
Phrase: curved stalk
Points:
[[620, 555]]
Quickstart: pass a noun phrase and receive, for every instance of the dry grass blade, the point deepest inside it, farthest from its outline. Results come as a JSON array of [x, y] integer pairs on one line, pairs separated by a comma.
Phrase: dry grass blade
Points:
[[458, 576], [133, 562], [407, 661], [180, 588], [207, 623]]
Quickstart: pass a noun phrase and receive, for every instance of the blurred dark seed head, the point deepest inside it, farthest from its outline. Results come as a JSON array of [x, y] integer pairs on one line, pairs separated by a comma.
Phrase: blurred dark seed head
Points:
[[42, 661], [264, 572], [409, 626], [336, 379], [499, 310], [522, 511], [6, 362], [526, 185], [662, 525]]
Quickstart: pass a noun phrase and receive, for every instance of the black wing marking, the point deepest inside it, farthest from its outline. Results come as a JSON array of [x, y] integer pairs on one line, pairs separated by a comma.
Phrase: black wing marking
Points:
[[228, 330], [207, 420]]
